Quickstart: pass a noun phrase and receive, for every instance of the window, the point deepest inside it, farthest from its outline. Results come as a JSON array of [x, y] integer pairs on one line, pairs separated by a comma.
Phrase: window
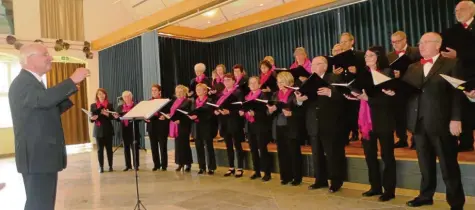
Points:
[[9, 69]]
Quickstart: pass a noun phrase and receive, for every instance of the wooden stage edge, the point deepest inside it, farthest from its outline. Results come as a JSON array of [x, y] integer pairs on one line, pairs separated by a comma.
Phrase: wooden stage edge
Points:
[[355, 149]]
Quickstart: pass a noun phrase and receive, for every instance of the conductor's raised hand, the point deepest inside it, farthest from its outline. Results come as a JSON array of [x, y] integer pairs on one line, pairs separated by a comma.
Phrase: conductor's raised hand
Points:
[[79, 75]]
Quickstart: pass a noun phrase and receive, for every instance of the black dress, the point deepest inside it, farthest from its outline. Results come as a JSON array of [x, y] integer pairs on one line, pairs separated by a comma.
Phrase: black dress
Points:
[[182, 141]]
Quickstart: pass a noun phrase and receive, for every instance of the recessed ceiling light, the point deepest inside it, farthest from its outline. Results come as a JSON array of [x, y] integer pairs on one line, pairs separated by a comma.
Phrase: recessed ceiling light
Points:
[[209, 21], [261, 5], [210, 13], [117, 1]]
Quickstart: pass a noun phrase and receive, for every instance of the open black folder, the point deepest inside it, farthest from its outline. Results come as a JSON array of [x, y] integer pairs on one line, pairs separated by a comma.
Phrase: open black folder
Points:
[[225, 105], [344, 59], [347, 88], [382, 81], [401, 64], [250, 105], [460, 84], [300, 71], [280, 105], [311, 85]]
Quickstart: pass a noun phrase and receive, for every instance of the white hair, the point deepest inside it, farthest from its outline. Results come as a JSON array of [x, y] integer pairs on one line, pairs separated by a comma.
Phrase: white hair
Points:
[[200, 67], [127, 93], [27, 51]]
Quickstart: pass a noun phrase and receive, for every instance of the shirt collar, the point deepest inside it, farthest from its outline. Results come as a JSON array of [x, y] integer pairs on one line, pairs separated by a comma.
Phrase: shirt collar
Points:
[[469, 21], [38, 77]]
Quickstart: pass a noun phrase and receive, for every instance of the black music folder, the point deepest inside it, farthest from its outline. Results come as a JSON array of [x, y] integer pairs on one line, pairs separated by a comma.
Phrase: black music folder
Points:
[[460, 84], [225, 105], [401, 64], [297, 72], [179, 115], [382, 81], [347, 88], [344, 59], [279, 104], [311, 85], [251, 105]]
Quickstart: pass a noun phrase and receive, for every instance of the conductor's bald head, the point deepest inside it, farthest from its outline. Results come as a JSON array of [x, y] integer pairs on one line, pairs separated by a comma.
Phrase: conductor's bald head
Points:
[[35, 57]]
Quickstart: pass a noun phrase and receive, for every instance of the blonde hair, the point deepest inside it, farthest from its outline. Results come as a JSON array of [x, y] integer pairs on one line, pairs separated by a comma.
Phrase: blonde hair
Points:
[[300, 50], [222, 66], [183, 88], [286, 77], [270, 59], [401, 34], [202, 85], [349, 35], [127, 93], [255, 77], [200, 67]]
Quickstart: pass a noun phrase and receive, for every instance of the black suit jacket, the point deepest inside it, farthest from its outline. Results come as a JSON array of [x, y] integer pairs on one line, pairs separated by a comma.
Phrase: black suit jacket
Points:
[[243, 86], [325, 114], [184, 128], [158, 127], [262, 121], [105, 129], [128, 131], [412, 52], [292, 121], [204, 121], [463, 41], [439, 102], [36, 115]]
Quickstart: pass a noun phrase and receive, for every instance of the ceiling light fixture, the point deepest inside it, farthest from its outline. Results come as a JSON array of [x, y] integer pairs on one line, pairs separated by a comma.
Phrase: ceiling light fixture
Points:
[[261, 5], [209, 21], [164, 34], [210, 13], [115, 2]]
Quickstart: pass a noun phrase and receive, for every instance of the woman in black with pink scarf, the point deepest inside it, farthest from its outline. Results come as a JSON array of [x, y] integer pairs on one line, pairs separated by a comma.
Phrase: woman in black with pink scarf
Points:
[[285, 130], [127, 130], [259, 131], [231, 121], [103, 129], [200, 69]]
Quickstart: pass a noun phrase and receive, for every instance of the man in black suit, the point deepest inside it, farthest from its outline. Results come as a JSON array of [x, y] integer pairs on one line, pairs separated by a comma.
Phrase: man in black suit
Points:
[[40, 150], [324, 115], [434, 119], [347, 41], [459, 42], [399, 42]]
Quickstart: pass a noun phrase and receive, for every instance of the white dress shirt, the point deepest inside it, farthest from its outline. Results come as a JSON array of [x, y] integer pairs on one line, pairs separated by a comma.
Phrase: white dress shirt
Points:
[[402, 53], [428, 66], [38, 77]]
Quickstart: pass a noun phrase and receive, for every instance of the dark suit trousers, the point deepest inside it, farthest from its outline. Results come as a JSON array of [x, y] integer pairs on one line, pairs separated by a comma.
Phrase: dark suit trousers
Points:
[[351, 109], [235, 139], [289, 154], [128, 146], [261, 159], [204, 139], [468, 124], [333, 165], [107, 143], [401, 120], [370, 147], [40, 190], [428, 147], [159, 143]]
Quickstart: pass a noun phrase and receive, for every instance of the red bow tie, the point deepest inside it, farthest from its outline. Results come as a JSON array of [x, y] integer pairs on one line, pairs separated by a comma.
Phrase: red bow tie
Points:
[[424, 61], [465, 25], [399, 52]]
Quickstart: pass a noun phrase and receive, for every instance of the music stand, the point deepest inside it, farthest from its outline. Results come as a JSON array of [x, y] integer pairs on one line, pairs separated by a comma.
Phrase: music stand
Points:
[[142, 111]]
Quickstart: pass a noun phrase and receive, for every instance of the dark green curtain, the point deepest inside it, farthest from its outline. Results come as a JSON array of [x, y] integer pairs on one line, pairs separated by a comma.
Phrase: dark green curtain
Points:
[[121, 69], [373, 22]]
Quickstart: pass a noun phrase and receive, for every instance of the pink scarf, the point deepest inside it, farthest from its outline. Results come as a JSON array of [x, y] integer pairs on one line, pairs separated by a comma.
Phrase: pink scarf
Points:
[[251, 96], [126, 108], [100, 105], [200, 78], [265, 77], [283, 97], [173, 131], [226, 94], [199, 103], [364, 119], [307, 65], [238, 79]]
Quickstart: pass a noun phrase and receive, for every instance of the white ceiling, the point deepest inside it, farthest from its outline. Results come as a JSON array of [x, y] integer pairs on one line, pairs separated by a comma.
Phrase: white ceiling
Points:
[[143, 8], [228, 12]]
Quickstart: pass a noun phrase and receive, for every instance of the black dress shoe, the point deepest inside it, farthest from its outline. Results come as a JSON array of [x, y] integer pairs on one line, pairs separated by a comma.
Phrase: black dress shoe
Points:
[[419, 202], [210, 172], [386, 197], [155, 169], [164, 169], [371, 193], [230, 172], [401, 144], [334, 189], [284, 182], [188, 168], [296, 183], [239, 173], [111, 169], [127, 168], [255, 176], [201, 171], [101, 170], [317, 186], [266, 178], [180, 167]]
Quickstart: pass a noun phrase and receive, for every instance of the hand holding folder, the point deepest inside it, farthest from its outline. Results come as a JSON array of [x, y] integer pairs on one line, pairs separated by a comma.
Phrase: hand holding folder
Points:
[[387, 84], [401, 64], [466, 86]]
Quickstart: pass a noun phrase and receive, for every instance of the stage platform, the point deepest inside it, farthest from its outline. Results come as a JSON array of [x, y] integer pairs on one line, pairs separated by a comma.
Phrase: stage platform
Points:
[[408, 173]]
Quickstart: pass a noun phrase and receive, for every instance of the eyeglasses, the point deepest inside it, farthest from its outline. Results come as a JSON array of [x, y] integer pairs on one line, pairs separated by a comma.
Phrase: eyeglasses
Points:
[[397, 41]]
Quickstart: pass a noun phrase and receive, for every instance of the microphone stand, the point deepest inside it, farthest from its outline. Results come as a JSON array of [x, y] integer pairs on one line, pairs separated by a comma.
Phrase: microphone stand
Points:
[[134, 150]]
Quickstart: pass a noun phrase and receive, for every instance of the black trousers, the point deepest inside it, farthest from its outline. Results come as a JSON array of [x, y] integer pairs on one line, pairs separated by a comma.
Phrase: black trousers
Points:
[[107, 143], [401, 120], [258, 140], [328, 154], [370, 147], [290, 156], [468, 124], [204, 139], [234, 139], [128, 146], [351, 109], [430, 146], [182, 148], [40, 190], [159, 143]]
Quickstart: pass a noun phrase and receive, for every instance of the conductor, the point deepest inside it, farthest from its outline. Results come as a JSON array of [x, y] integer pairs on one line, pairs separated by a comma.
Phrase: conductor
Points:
[[36, 112]]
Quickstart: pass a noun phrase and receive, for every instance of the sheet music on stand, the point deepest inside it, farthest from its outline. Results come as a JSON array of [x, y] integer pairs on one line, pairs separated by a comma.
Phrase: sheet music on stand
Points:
[[145, 109]]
